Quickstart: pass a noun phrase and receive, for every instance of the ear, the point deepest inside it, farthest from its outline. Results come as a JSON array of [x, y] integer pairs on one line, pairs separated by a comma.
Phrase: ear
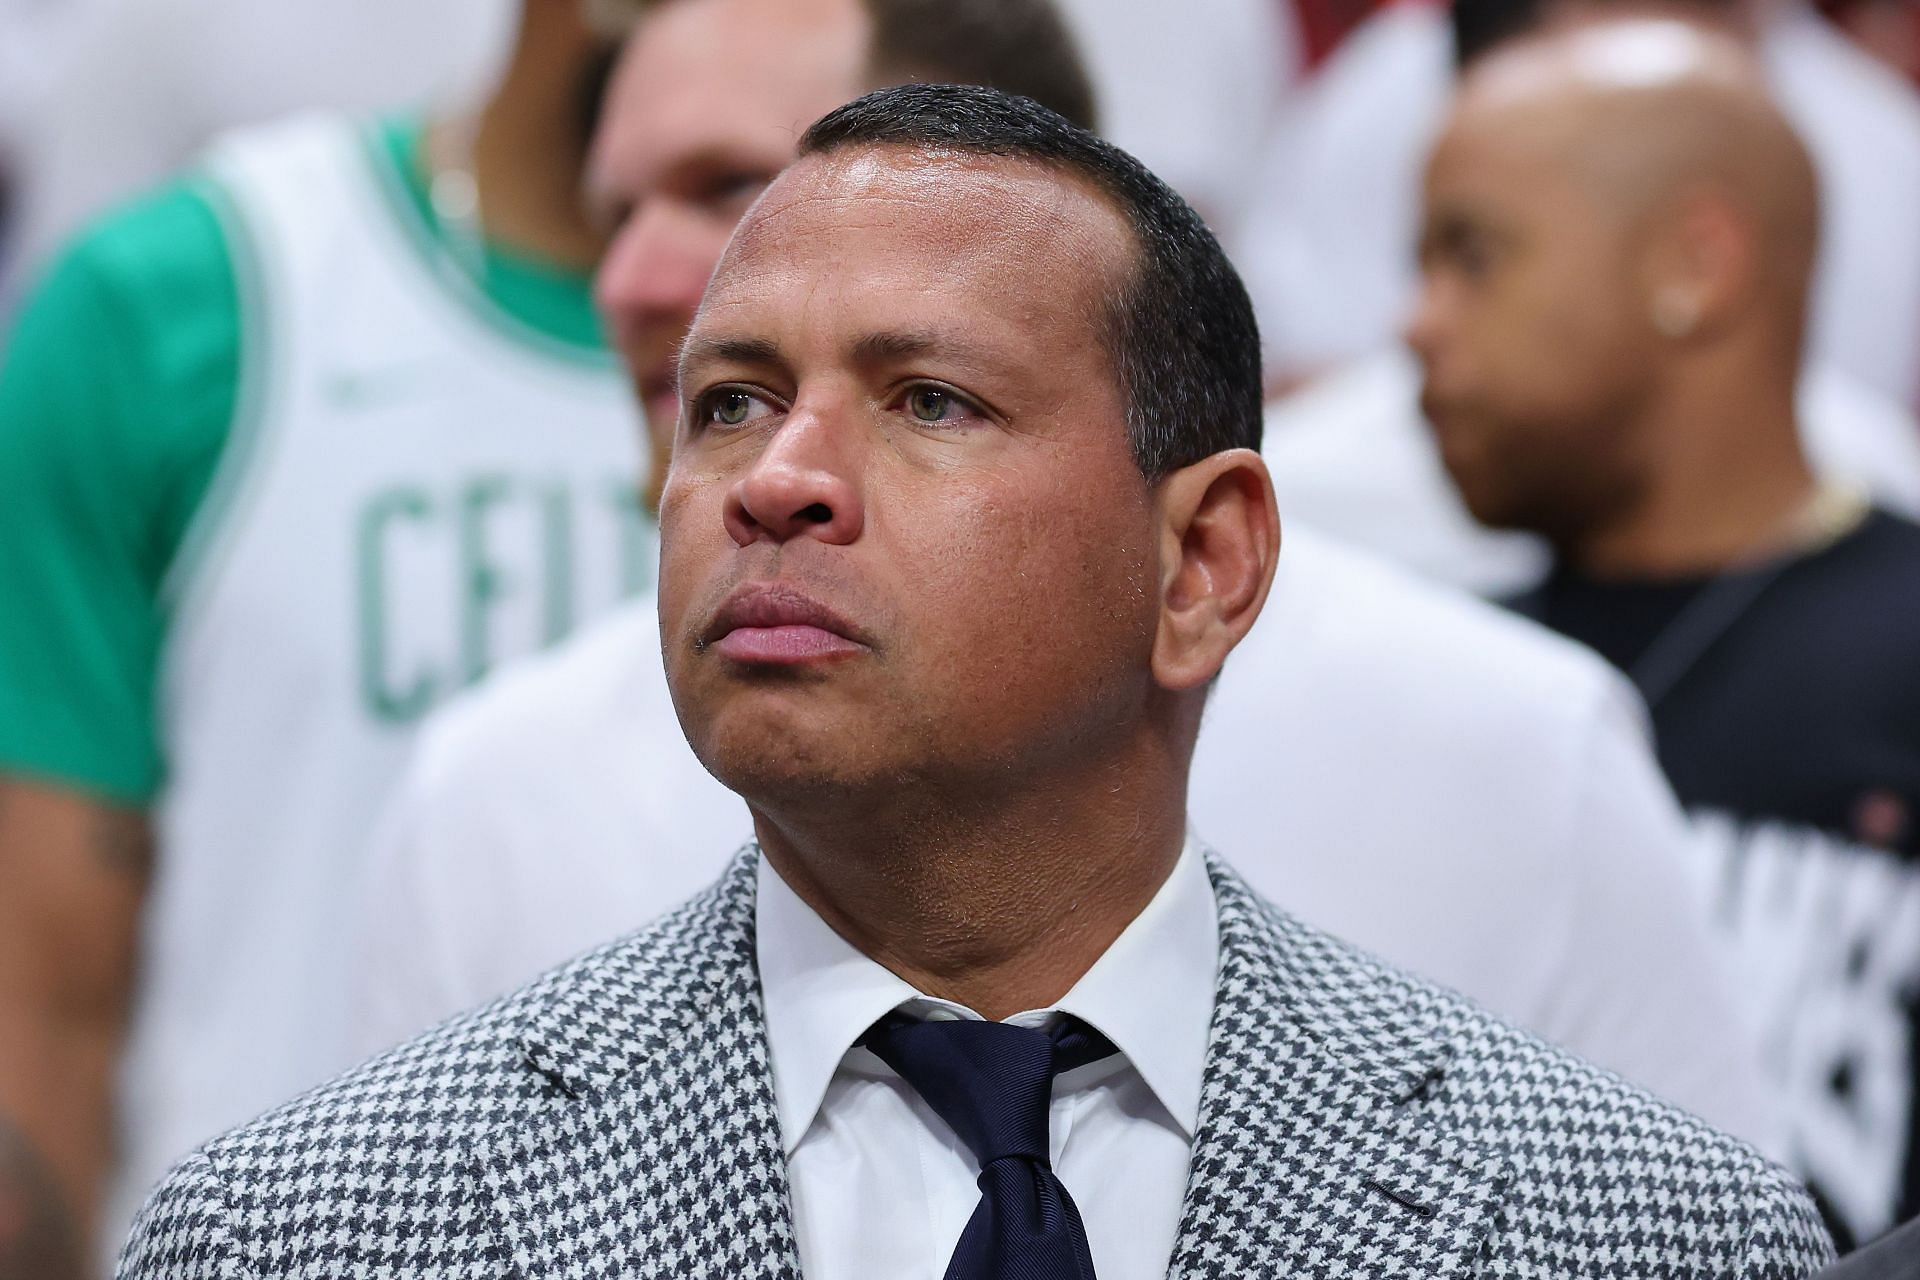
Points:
[[1702, 265], [1220, 539]]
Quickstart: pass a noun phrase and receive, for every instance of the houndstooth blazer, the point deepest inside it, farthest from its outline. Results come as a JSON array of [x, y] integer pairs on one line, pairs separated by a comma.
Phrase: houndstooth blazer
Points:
[[616, 1119]]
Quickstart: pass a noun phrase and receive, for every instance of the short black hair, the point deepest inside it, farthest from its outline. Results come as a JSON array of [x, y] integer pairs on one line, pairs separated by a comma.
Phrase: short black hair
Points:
[[1180, 331]]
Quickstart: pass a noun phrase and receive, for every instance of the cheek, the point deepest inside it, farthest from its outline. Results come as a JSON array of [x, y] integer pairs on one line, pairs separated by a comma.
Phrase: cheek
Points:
[[1548, 351], [690, 531], [1036, 589]]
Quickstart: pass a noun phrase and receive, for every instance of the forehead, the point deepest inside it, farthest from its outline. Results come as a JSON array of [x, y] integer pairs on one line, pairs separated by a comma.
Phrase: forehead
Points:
[[1498, 155], [730, 77], [1018, 244]]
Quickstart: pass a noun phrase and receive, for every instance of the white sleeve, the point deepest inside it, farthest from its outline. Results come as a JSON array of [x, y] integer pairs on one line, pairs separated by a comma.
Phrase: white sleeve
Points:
[[552, 808], [1658, 1004], [408, 973]]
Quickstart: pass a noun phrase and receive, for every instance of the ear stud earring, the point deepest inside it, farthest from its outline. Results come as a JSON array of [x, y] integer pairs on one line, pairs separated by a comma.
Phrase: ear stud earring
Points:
[[1674, 315]]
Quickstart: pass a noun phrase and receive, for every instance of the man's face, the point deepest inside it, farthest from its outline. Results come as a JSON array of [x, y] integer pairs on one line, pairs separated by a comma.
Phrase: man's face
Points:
[[904, 540], [1529, 327], [704, 108]]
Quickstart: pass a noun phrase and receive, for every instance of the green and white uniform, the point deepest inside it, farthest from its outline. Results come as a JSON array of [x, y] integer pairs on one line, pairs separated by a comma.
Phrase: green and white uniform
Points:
[[279, 470]]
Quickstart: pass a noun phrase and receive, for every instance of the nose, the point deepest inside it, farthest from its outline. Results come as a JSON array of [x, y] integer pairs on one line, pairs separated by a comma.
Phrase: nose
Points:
[[807, 482], [655, 269], [1425, 322]]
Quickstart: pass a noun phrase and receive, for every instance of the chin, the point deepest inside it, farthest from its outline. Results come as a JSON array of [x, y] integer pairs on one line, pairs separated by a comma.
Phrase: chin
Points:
[[1490, 510], [776, 758], [1485, 489]]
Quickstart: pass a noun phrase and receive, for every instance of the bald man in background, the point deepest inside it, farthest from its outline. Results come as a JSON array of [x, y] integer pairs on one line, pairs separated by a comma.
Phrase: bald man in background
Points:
[[1617, 246], [1339, 187], [1350, 452]]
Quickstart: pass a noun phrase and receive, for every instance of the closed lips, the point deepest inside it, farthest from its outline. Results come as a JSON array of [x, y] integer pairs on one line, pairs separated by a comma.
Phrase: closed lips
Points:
[[776, 623]]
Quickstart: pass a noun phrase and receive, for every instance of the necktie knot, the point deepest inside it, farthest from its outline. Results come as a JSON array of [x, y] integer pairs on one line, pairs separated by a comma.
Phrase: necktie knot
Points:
[[991, 1082]]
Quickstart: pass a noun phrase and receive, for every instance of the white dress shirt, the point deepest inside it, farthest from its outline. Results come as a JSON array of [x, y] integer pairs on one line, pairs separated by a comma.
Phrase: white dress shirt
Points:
[[882, 1187]]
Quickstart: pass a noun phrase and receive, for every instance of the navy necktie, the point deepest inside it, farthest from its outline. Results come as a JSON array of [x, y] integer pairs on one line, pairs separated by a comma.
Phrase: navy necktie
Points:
[[993, 1085]]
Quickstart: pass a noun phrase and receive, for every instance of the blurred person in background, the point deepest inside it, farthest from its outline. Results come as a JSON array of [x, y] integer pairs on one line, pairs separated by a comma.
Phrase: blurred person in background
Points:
[[108, 97], [289, 451], [1351, 452], [1887, 29], [1328, 259], [1499, 822], [1617, 253], [1195, 88]]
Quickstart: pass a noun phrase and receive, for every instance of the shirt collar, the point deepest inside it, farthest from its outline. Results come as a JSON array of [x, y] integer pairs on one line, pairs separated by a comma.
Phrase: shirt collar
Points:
[[1151, 994]]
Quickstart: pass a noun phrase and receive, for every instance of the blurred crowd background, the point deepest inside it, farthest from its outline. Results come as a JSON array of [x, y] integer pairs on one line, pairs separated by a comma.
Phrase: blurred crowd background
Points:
[[170, 185]]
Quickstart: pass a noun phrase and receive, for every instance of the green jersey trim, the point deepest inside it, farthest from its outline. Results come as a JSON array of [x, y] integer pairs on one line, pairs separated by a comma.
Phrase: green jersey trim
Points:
[[223, 488], [533, 303]]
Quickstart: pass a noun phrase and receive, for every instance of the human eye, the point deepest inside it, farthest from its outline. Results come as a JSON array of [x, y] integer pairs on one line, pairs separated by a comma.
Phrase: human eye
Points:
[[730, 406], [1462, 247], [931, 403], [1473, 253], [1474, 257]]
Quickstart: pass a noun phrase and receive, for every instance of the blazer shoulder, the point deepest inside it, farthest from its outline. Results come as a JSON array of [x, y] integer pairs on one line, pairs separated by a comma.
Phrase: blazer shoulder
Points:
[[383, 1151], [1787, 1239], [562, 1023], [1620, 1174], [1597, 1176], [185, 1231], [386, 1152]]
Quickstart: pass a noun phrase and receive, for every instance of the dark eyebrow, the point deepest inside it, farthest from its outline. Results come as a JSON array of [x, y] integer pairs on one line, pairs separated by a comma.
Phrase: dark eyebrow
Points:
[[875, 348], [871, 349], [895, 344], [757, 351]]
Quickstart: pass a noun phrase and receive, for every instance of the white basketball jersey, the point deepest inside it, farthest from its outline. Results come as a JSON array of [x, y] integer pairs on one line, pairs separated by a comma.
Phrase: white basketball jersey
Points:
[[414, 488]]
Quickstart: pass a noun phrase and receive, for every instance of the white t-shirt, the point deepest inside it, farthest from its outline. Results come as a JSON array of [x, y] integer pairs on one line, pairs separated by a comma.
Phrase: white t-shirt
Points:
[[1328, 254], [1351, 456], [1455, 789]]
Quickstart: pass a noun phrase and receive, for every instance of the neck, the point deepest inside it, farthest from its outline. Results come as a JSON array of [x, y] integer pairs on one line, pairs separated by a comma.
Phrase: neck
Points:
[[527, 147], [999, 907], [1729, 487]]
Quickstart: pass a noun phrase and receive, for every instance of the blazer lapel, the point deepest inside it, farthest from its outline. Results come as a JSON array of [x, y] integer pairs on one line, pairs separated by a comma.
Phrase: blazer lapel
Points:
[[652, 1147], [1313, 1156]]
